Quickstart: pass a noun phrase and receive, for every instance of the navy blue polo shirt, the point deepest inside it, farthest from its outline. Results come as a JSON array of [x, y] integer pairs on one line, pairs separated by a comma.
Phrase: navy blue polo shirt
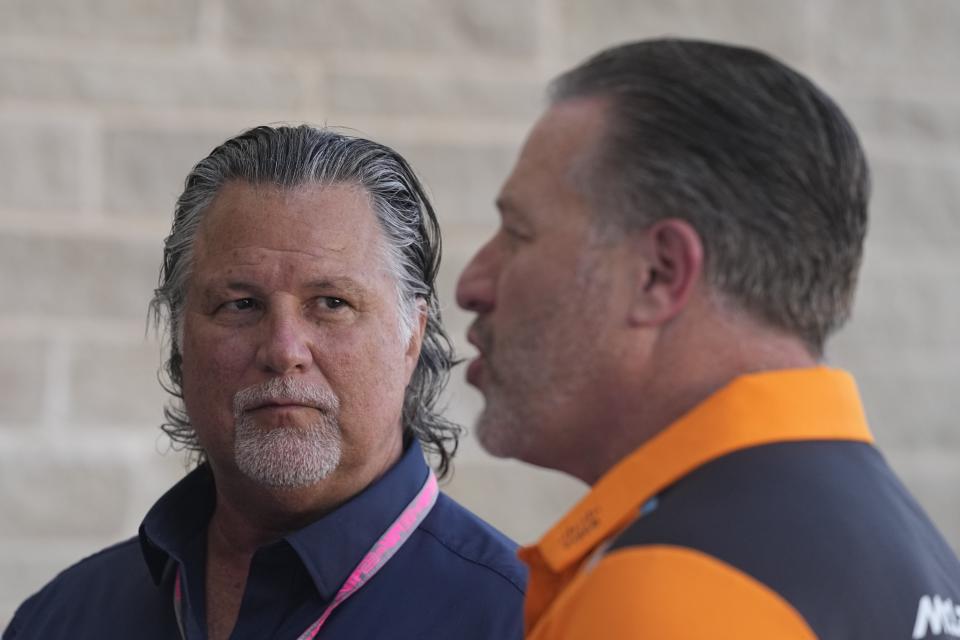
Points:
[[455, 577]]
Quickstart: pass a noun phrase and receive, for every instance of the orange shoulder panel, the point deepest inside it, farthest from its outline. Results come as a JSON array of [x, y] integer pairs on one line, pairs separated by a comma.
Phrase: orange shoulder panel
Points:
[[669, 592]]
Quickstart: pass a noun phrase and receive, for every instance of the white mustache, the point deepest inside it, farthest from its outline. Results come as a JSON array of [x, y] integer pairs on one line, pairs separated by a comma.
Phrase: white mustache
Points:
[[285, 390]]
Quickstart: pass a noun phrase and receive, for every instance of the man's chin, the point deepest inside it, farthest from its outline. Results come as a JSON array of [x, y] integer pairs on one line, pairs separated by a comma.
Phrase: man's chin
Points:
[[287, 480], [285, 475], [287, 457], [496, 437]]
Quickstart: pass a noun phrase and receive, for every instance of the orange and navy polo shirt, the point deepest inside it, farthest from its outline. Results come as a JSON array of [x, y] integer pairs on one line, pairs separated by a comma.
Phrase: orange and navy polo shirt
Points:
[[775, 517]]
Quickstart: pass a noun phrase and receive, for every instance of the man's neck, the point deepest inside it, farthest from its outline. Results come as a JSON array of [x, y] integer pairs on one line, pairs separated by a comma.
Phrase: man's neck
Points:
[[234, 534], [248, 516], [226, 578], [690, 364]]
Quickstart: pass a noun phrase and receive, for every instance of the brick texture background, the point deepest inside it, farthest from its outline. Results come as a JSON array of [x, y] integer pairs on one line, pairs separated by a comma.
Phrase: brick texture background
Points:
[[105, 104]]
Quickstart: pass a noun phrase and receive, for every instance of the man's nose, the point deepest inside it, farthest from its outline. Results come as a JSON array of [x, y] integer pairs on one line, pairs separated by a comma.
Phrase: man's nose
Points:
[[476, 287], [286, 342]]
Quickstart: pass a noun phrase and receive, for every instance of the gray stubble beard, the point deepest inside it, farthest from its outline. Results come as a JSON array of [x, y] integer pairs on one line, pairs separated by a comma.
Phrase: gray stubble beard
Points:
[[511, 424]]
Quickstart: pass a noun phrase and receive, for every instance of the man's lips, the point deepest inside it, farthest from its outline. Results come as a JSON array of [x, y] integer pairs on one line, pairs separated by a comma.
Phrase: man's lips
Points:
[[474, 337], [475, 371], [479, 339], [281, 404]]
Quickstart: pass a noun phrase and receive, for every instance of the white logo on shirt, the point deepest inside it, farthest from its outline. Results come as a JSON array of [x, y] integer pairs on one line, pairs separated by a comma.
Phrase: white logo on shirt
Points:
[[938, 616]]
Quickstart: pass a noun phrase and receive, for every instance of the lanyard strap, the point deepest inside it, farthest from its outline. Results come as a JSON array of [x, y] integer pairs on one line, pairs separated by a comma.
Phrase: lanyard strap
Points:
[[379, 554]]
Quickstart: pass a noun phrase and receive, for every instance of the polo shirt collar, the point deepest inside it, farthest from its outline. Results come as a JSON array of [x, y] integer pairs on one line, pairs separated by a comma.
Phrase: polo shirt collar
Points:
[[176, 520], [329, 548], [818, 403]]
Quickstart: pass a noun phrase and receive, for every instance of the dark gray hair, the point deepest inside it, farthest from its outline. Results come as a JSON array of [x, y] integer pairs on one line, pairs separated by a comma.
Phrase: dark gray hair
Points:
[[756, 158], [294, 156]]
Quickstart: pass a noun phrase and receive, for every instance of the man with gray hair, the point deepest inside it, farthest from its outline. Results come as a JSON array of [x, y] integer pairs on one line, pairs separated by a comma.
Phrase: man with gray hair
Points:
[[306, 358], [681, 233]]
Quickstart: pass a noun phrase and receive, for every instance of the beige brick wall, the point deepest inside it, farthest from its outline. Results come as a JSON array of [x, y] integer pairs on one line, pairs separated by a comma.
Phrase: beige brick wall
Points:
[[105, 104]]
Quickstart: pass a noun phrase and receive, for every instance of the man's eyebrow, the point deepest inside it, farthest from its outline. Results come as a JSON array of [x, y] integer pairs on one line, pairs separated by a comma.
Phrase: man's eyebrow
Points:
[[344, 283]]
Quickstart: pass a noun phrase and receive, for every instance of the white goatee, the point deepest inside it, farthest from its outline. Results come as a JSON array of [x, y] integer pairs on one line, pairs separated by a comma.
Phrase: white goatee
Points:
[[286, 456]]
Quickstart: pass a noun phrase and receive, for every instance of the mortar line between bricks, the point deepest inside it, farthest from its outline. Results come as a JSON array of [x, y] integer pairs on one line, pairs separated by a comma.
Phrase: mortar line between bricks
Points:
[[110, 330], [180, 120], [94, 444], [67, 224]]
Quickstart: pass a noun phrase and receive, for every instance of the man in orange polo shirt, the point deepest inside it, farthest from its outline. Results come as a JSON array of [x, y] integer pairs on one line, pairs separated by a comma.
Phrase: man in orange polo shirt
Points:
[[680, 235]]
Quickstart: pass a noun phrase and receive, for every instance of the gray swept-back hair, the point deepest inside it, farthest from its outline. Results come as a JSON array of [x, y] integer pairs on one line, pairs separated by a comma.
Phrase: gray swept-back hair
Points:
[[756, 158], [294, 156]]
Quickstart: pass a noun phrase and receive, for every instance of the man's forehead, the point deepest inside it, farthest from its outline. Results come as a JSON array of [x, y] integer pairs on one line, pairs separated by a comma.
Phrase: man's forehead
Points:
[[569, 126], [248, 224], [562, 144], [262, 207], [272, 198]]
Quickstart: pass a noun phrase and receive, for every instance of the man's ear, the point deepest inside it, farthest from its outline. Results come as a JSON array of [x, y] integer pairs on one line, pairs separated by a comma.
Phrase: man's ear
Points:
[[416, 337], [669, 266]]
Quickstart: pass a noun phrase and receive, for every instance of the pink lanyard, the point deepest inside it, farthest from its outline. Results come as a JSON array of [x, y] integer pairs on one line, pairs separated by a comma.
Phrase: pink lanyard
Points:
[[378, 555]]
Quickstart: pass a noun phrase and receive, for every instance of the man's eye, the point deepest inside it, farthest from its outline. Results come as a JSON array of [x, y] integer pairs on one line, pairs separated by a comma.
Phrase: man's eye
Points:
[[332, 303], [241, 304], [514, 234]]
